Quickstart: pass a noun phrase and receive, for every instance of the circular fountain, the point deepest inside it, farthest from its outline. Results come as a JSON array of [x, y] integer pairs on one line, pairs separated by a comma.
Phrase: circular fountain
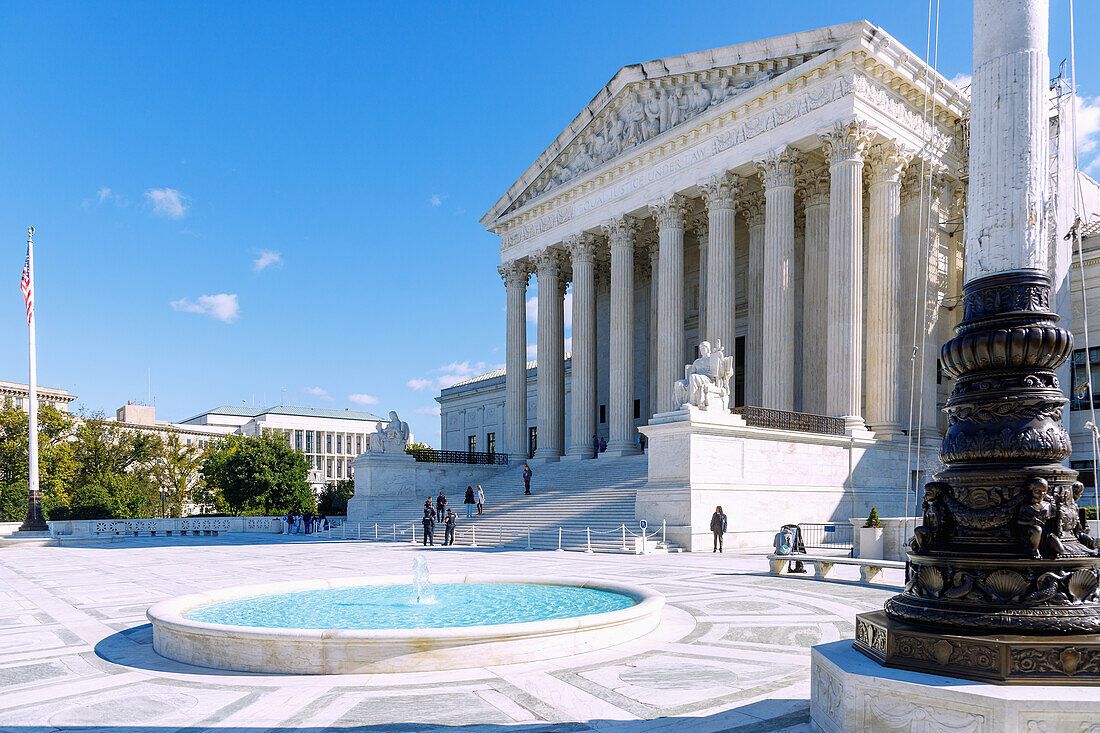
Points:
[[389, 624]]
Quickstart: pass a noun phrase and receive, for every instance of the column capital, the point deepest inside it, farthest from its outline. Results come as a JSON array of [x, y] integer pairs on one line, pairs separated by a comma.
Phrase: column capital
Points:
[[846, 141], [620, 231], [752, 206], [548, 263], [699, 224], [721, 191], [935, 179], [670, 212], [779, 167], [515, 273], [887, 162], [814, 184], [582, 247]]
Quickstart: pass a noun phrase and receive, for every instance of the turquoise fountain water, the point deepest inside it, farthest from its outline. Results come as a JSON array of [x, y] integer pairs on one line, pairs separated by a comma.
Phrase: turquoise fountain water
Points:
[[418, 605]]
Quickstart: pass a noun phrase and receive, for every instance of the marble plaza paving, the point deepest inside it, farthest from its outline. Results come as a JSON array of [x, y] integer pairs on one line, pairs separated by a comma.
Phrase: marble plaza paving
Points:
[[731, 653]]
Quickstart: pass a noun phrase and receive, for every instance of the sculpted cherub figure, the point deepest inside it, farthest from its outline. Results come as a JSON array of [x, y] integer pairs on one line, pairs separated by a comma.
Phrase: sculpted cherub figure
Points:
[[928, 535], [1033, 516]]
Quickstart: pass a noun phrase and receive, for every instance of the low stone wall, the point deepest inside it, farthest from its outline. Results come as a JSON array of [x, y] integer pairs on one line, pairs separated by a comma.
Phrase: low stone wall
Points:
[[167, 527], [763, 478], [384, 481]]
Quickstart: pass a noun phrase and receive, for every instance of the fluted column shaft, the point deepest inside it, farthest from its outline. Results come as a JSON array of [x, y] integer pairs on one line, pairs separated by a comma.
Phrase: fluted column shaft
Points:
[[844, 147], [754, 334], [654, 266], [936, 272], [815, 291], [669, 214], [887, 162], [620, 400], [720, 194], [778, 172], [703, 233], [582, 422], [515, 275], [551, 344]]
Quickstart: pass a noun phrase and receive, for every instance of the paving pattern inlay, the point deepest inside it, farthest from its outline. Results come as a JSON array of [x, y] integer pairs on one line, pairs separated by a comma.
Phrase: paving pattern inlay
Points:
[[731, 654]]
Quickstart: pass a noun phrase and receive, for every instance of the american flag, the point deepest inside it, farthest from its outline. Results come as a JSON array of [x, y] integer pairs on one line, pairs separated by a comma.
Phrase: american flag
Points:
[[27, 287]]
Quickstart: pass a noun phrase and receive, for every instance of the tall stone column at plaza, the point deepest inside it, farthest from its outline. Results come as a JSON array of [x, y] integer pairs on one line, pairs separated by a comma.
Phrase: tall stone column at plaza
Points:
[[582, 406], [620, 403], [720, 196], [815, 323], [887, 163], [515, 275], [550, 403], [777, 172], [753, 208], [844, 351], [669, 214], [652, 248], [700, 227]]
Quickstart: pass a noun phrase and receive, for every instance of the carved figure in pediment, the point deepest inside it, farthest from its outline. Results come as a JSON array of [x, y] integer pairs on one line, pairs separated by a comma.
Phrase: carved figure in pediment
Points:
[[637, 126], [616, 127], [654, 107], [582, 161], [722, 91], [560, 174], [699, 99], [677, 107]]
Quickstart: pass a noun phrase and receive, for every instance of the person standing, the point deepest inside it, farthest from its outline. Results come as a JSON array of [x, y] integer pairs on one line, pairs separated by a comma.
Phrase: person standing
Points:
[[441, 505], [469, 501], [527, 474], [718, 527], [429, 524], [480, 499], [449, 528], [595, 447]]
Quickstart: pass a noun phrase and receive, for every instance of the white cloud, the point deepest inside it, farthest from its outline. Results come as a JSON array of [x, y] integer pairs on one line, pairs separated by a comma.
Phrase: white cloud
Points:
[[104, 196], [1088, 133], [427, 411], [318, 392], [437, 199], [419, 384], [962, 81], [532, 351], [266, 259], [222, 306], [451, 374], [362, 399], [168, 202]]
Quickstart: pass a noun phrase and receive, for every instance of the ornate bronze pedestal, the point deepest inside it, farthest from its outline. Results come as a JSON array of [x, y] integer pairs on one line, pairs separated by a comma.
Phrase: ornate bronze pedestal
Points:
[[1003, 576]]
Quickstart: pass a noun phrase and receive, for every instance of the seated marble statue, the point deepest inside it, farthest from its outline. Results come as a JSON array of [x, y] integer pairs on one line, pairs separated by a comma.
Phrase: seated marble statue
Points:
[[706, 382], [390, 437]]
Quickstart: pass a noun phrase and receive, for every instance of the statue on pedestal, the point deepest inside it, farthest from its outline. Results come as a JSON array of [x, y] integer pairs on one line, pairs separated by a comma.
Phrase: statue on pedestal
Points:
[[706, 382], [390, 437]]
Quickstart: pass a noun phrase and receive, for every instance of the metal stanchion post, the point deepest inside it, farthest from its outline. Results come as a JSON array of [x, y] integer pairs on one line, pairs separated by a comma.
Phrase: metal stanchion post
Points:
[[376, 530], [588, 533], [473, 536], [395, 533], [413, 526], [559, 539], [358, 530], [624, 537]]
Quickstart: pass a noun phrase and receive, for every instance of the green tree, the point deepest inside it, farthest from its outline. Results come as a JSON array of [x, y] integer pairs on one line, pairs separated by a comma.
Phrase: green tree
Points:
[[56, 463], [258, 474], [177, 473], [333, 501]]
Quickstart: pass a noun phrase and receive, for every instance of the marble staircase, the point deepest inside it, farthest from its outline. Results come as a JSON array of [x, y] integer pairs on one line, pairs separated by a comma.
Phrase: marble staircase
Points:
[[590, 501]]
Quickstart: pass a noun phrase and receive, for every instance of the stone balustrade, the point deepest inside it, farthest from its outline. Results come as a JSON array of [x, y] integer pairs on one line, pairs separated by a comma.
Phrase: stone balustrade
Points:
[[168, 527]]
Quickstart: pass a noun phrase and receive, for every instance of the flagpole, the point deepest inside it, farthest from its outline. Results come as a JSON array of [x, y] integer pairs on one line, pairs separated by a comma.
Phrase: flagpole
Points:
[[34, 521]]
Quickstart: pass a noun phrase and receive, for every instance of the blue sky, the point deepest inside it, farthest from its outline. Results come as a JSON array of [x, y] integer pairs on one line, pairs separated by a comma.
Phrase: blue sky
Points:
[[244, 197]]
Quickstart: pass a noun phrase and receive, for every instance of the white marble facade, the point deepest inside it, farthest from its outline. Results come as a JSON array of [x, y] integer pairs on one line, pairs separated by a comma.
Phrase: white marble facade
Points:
[[766, 195]]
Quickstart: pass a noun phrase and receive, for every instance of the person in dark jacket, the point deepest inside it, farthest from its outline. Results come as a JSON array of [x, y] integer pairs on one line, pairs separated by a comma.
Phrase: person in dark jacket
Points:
[[441, 505], [603, 444], [527, 473], [470, 501], [718, 527], [429, 524], [595, 447], [449, 527]]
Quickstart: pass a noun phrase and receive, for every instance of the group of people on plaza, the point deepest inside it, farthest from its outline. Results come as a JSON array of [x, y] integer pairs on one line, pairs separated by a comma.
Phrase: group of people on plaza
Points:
[[439, 513], [305, 522]]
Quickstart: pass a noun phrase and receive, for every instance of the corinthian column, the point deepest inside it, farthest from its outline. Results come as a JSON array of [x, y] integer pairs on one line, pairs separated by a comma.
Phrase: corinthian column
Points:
[[720, 194], [844, 146], [887, 161], [753, 207], [815, 289], [582, 424], [551, 357], [620, 402], [653, 251], [777, 172], [515, 275], [669, 214], [701, 227]]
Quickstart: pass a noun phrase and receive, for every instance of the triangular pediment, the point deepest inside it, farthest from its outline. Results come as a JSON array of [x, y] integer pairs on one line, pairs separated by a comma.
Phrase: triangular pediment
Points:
[[644, 101]]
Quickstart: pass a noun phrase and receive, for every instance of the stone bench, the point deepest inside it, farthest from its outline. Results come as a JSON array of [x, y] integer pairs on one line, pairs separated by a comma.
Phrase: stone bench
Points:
[[824, 565]]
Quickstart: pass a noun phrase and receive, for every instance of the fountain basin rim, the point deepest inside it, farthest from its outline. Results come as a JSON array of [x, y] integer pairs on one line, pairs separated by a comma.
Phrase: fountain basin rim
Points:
[[169, 613]]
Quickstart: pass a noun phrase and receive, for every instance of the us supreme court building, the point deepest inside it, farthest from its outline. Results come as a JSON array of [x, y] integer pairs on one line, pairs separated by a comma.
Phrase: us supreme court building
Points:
[[799, 200]]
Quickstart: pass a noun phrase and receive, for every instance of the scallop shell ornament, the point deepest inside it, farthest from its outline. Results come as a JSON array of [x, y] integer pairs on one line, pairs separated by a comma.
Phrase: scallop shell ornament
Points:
[[1004, 584], [1082, 584], [931, 580]]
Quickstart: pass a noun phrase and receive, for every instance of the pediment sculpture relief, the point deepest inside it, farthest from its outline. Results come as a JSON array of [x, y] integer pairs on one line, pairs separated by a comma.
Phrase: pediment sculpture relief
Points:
[[636, 116]]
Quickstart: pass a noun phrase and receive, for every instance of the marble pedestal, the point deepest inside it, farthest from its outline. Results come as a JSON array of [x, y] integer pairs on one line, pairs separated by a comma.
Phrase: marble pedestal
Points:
[[763, 478], [849, 692], [388, 480]]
